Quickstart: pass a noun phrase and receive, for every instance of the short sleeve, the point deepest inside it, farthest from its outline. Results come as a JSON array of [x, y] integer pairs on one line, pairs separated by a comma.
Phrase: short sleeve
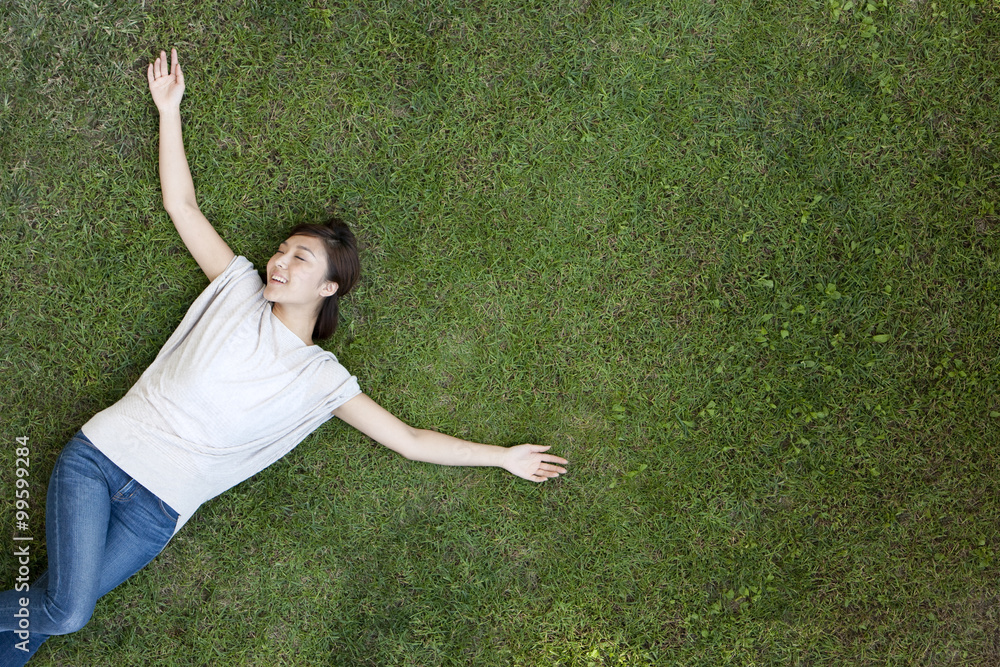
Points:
[[345, 386], [240, 277]]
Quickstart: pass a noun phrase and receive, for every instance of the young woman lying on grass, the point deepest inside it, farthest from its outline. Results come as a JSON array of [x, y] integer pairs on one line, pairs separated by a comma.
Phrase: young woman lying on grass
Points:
[[235, 388]]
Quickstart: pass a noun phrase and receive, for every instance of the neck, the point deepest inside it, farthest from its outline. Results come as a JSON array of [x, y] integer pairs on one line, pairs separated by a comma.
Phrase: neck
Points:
[[300, 320]]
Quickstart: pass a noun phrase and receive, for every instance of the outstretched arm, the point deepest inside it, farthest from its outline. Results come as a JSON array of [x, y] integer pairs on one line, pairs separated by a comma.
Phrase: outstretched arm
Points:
[[166, 85], [527, 461]]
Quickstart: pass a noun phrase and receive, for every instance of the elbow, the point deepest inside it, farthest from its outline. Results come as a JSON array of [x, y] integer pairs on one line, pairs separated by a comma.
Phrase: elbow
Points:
[[178, 209], [410, 448]]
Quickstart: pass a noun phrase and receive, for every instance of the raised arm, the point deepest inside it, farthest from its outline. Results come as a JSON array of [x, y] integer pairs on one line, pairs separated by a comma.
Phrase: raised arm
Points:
[[526, 461], [166, 85]]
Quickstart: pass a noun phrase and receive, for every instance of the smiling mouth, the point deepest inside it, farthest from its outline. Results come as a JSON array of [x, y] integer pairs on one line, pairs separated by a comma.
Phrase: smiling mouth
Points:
[[280, 281]]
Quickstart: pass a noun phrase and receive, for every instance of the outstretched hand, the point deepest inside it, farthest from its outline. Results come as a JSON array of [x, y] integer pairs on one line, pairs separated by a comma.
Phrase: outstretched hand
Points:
[[166, 82], [531, 463]]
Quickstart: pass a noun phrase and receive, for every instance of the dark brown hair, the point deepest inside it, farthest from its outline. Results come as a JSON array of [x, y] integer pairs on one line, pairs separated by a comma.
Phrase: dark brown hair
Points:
[[342, 267]]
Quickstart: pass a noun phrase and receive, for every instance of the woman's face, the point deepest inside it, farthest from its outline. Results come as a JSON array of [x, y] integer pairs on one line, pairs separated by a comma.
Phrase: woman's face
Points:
[[296, 273]]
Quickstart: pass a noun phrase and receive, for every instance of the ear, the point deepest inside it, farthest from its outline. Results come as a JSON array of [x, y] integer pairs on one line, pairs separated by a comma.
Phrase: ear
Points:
[[329, 288]]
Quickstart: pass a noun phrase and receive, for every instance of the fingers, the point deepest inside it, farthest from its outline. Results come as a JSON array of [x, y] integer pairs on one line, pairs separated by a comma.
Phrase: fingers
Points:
[[176, 67], [545, 472], [162, 67], [536, 466], [538, 449]]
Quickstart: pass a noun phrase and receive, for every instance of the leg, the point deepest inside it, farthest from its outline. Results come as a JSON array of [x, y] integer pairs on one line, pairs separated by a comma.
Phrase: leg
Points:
[[130, 516], [11, 656], [78, 508], [137, 528], [141, 525], [77, 512]]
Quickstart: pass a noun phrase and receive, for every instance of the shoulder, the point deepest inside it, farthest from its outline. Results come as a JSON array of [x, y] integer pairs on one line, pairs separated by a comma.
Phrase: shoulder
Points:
[[337, 380], [328, 361], [239, 268], [239, 276]]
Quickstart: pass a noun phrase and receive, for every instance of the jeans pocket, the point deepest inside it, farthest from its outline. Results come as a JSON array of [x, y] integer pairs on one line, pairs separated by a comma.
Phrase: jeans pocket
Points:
[[82, 437], [168, 511], [126, 492]]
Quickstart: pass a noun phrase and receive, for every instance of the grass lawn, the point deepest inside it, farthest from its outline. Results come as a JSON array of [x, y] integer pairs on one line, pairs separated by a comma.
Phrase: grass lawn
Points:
[[736, 260]]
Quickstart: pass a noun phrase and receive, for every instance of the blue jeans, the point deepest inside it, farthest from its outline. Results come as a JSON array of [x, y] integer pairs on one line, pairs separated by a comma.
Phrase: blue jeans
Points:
[[101, 527]]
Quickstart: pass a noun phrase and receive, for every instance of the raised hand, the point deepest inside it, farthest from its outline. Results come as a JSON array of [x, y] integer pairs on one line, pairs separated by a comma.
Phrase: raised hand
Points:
[[531, 463], [166, 83]]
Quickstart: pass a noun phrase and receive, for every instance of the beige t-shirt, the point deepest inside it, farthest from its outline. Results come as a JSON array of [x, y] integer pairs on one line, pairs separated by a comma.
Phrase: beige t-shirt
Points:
[[231, 392]]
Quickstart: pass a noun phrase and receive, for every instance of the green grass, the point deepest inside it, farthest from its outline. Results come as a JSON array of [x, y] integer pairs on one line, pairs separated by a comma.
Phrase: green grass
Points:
[[737, 261]]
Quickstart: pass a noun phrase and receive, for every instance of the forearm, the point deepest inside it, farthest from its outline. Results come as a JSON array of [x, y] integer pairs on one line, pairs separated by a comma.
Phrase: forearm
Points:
[[434, 447], [527, 461], [175, 176]]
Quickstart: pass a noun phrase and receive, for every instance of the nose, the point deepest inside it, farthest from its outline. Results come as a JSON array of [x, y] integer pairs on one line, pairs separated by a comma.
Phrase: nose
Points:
[[281, 262]]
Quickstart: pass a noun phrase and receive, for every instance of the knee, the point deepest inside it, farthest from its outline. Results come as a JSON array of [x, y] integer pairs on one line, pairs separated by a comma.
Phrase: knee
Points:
[[68, 620]]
